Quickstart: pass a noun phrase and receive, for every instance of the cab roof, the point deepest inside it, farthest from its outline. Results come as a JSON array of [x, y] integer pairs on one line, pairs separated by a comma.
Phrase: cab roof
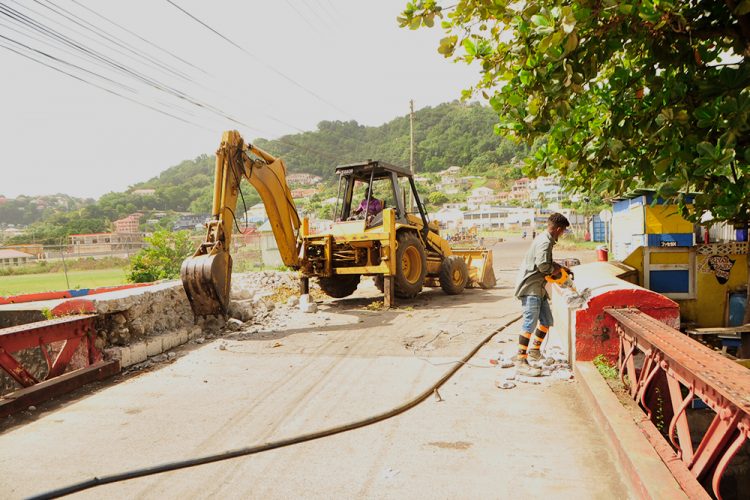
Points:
[[363, 170]]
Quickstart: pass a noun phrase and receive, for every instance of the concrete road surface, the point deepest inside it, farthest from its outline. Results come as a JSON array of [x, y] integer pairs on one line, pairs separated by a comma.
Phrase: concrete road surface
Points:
[[341, 364]]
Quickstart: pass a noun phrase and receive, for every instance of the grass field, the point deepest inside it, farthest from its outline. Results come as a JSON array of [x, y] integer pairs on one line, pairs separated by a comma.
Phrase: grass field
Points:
[[31, 283]]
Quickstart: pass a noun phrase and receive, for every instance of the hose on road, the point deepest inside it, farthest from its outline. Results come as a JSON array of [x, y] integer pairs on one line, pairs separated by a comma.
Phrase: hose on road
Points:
[[252, 450]]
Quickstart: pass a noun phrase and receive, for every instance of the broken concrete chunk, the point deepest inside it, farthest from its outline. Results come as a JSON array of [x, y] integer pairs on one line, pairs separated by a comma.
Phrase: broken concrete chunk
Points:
[[562, 374], [504, 384], [309, 308], [241, 309], [234, 324], [292, 301], [307, 304]]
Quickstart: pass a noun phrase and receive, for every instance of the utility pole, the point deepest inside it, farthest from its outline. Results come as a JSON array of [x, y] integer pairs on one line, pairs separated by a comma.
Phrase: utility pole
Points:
[[411, 148], [65, 267]]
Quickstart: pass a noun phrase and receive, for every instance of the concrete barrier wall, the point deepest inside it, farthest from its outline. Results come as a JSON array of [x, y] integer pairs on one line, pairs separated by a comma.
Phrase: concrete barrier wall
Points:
[[133, 323], [587, 331]]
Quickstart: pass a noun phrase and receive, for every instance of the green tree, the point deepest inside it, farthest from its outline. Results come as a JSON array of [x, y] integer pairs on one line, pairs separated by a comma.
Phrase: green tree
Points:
[[437, 198], [627, 93], [162, 258]]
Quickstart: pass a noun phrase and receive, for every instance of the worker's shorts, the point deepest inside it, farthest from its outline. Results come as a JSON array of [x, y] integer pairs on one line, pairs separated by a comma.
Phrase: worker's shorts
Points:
[[535, 310]]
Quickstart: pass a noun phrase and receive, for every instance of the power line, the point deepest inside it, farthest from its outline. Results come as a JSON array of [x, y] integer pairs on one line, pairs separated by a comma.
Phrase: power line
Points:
[[119, 67], [101, 59], [56, 59], [316, 14], [139, 37], [66, 51], [85, 36], [113, 39], [268, 66], [100, 87], [303, 17], [323, 7]]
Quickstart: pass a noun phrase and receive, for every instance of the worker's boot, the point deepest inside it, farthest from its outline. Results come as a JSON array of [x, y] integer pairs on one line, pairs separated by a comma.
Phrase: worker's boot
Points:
[[524, 368], [535, 355]]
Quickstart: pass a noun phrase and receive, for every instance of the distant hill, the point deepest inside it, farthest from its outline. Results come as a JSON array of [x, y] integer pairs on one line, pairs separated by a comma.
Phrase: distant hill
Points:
[[445, 135], [448, 134], [24, 210]]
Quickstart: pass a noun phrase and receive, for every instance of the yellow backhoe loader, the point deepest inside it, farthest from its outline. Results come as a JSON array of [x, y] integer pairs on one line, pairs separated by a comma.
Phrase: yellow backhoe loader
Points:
[[379, 238]]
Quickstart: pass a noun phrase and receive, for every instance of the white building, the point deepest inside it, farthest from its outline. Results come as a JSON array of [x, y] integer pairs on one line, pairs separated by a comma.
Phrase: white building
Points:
[[256, 214], [521, 189], [450, 171], [449, 218], [303, 179], [454, 205], [493, 217], [480, 196], [269, 249], [547, 188], [9, 257]]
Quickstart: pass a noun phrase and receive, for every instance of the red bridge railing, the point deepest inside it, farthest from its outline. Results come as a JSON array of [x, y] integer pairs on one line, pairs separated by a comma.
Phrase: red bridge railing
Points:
[[665, 370], [67, 347], [72, 330]]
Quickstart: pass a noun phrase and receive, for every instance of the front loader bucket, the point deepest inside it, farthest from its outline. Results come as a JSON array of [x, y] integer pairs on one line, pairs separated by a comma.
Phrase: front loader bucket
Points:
[[207, 281], [479, 262]]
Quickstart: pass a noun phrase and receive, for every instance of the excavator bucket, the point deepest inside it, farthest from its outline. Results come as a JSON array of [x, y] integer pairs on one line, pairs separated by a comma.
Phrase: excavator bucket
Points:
[[479, 262], [207, 282]]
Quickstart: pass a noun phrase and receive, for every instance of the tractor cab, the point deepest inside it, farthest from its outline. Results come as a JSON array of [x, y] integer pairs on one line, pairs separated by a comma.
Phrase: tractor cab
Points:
[[367, 188]]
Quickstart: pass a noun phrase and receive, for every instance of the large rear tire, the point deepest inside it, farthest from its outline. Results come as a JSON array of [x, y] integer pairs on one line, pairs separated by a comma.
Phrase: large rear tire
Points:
[[454, 274], [411, 265], [339, 286]]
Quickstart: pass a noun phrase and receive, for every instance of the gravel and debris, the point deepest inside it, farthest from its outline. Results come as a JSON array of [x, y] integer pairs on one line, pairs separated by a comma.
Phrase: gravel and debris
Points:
[[554, 366]]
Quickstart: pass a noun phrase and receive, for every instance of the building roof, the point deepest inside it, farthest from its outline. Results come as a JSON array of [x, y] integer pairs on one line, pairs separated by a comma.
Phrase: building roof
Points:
[[362, 170], [13, 254]]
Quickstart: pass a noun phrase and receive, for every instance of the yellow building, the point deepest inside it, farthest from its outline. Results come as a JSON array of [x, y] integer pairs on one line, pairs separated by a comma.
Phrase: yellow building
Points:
[[660, 244]]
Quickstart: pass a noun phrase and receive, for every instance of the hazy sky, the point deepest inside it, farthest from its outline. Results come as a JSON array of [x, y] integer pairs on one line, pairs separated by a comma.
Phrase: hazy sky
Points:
[[60, 135]]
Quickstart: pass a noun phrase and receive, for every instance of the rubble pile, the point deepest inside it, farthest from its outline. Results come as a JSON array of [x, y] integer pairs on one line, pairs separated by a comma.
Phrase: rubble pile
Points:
[[554, 366], [260, 298]]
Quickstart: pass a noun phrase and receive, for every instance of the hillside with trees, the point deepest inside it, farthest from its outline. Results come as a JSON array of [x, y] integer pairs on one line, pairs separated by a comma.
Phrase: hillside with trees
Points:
[[449, 134]]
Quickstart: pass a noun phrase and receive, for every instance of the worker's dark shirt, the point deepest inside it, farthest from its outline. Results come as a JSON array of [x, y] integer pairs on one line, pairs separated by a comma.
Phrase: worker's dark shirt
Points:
[[537, 263]]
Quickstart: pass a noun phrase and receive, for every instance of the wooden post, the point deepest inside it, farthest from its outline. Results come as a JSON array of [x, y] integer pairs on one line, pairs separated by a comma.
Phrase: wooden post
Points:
[[304, 285], [388, 291]]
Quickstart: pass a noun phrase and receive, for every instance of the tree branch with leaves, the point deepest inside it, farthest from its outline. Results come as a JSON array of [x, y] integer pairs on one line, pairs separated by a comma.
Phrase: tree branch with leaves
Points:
[[626, 94]]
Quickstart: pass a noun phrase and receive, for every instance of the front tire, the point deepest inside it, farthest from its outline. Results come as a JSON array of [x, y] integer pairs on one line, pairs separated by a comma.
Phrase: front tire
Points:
[[454, 274], [339, 286], [411, 265]]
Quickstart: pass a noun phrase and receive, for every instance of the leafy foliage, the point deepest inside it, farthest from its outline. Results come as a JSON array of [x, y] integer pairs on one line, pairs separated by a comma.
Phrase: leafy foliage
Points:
[[627, 93], [606, 369], [29, 209], [162, 258], [448, 134]]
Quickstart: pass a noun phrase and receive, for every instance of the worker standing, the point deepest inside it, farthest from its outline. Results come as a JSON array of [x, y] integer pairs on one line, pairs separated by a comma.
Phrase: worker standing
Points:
[[537, 314]]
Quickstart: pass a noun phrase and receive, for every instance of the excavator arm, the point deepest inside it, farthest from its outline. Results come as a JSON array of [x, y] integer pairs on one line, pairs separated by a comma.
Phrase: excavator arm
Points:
[[207, 275]]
